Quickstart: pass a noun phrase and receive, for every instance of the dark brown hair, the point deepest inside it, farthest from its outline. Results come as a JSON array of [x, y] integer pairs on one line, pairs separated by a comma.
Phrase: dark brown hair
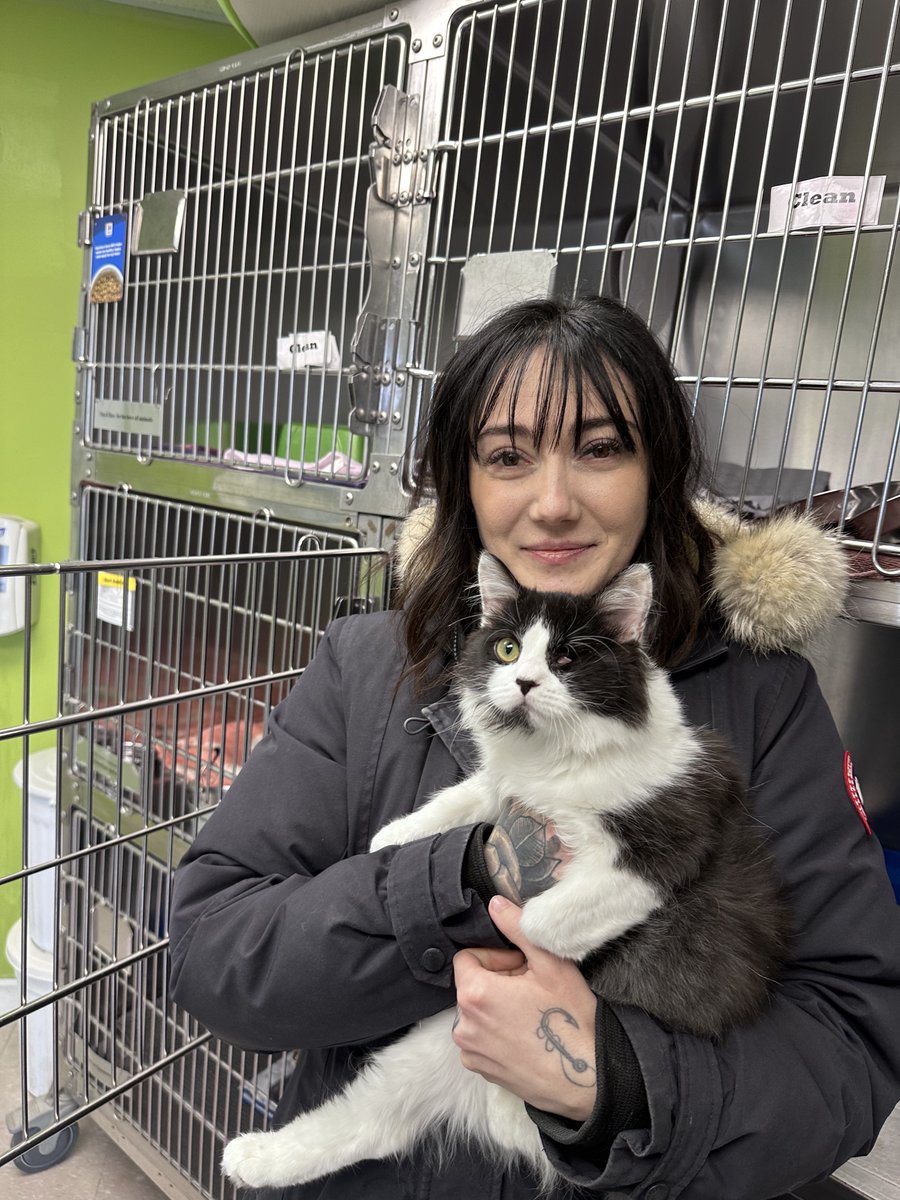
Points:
[[587, 345]]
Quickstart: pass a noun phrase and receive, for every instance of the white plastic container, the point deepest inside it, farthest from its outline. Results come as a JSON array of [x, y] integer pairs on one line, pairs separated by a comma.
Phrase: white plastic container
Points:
[[37, 1028], [41, 811]]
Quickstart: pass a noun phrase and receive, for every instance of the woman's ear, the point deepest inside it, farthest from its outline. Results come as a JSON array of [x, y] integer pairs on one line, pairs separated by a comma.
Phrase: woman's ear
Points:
[[495, 585], [626, 602]]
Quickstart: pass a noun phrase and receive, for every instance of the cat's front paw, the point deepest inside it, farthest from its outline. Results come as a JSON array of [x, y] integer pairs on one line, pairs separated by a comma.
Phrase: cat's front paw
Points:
[[399, 832], [277, 1159], [247, 1160], [543, 930]]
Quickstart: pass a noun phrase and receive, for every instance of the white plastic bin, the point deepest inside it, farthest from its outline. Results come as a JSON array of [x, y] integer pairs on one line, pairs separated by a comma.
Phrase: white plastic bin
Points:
[[41, 812], [37, 1028]]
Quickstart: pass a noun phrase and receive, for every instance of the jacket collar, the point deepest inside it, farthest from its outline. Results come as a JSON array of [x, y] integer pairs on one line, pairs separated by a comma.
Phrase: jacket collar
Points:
[[444, 717], [709, 647]]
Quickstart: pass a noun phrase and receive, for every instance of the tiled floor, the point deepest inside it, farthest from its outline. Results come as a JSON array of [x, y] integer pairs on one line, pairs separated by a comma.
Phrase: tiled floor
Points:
[[96, 1167]]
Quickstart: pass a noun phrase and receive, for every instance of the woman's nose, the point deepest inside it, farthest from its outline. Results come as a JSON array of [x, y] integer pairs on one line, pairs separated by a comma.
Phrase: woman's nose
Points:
[[555, 499]]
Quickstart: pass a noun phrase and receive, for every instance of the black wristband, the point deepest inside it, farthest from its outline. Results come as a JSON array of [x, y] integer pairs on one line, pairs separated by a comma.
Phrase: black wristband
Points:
[[474, 868]]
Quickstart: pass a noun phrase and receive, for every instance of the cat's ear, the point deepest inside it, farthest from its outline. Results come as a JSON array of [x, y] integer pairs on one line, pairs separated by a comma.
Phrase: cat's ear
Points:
[[626, 602], [495, 585]]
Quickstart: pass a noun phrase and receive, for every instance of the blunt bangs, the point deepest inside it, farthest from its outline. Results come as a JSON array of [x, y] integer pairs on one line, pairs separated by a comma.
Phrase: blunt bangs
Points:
[[573, 372]]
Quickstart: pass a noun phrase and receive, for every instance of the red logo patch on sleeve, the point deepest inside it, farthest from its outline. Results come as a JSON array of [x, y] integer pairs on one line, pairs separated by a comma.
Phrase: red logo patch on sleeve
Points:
[[853, 791]]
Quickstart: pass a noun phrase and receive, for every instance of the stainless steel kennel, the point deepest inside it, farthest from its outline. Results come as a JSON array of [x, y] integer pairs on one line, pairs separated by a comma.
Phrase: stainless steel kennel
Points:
[[310, 228]]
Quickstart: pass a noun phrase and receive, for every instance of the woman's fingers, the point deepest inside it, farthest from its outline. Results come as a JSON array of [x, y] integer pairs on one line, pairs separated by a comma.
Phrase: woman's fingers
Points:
[[505, 962], [529, 1029]]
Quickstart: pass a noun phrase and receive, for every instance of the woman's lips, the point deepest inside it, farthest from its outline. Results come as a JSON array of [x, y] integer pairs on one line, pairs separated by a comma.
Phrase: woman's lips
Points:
[[556, 554]]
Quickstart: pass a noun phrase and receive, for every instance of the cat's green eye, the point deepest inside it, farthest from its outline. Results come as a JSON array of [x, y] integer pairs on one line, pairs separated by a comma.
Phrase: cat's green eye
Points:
[[506, 649]]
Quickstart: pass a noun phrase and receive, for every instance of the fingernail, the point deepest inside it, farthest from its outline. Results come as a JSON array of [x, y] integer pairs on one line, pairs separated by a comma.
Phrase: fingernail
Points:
[[498, 904]]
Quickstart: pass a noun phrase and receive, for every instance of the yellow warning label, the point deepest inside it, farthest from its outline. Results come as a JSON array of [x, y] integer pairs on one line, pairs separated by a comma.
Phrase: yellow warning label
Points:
[[111, 605]]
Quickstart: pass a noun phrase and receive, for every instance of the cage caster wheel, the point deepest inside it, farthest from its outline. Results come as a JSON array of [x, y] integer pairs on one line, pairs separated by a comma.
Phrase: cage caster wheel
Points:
[[48, 1152]]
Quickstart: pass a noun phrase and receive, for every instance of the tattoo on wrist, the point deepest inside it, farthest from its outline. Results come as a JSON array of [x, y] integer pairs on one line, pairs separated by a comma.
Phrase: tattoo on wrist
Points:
[[552, 1031], [522, 858]]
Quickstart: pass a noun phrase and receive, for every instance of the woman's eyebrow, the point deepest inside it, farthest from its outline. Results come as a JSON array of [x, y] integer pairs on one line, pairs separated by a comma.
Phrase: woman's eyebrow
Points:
[[516, 431], [589, 425], [595, 423]]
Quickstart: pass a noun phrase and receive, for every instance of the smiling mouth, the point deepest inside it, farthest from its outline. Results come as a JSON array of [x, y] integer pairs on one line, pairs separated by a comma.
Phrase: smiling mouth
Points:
[[556, 554]]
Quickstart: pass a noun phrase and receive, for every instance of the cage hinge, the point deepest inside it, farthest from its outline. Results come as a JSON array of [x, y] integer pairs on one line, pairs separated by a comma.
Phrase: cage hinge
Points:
[[79, 344], [84, 229], [402, 170], [379, 380], [396, 240]]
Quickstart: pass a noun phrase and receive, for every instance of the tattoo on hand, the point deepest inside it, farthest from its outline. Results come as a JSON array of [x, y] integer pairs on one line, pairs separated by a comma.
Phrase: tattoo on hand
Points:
[[523, 858], [578, 1071]]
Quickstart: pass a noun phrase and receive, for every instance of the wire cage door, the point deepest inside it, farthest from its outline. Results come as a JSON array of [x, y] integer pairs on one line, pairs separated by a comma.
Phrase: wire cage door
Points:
[[170, 661], [225, 337]]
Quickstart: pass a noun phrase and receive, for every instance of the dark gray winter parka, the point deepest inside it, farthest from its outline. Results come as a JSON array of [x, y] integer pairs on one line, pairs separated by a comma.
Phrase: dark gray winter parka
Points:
[[286, 933]]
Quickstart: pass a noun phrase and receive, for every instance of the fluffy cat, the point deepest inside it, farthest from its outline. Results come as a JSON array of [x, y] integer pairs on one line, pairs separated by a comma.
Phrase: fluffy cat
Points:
[[669, 901]]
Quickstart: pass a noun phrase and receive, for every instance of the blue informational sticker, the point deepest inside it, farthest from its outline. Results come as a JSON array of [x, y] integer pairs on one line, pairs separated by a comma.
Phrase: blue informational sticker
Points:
[[108, 258]]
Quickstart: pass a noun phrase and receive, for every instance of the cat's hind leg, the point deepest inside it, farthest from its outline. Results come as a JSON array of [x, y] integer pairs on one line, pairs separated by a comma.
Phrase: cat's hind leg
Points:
[[406, 1088]]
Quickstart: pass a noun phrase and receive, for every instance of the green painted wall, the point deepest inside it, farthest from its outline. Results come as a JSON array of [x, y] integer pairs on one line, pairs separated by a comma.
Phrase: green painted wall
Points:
[[56, 57]]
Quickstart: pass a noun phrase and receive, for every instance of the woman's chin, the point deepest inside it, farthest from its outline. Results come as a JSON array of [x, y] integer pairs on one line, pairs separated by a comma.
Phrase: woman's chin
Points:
[[574, 577]]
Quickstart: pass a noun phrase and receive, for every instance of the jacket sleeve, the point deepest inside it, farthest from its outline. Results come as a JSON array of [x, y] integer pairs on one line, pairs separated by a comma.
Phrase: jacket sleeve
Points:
[[282, 936], [789, 1098]]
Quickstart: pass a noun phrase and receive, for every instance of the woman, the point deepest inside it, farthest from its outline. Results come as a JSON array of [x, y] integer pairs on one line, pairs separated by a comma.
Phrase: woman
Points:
[[559, 441]]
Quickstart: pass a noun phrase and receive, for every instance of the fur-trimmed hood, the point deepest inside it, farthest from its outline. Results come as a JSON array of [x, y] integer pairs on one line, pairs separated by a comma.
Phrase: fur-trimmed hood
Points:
[[777, 581]]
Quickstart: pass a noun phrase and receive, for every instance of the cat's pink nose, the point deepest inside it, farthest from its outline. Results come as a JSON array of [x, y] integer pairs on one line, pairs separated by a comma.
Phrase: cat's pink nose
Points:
[[526, 685]]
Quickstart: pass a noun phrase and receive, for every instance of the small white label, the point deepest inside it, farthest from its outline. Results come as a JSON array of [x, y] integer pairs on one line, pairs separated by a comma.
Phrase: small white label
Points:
[[127, 416], [111, 602], [316, 348], [826, 200]]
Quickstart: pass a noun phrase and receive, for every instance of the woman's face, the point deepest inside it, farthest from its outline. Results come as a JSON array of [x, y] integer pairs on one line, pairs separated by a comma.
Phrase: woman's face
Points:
[[563, 518]]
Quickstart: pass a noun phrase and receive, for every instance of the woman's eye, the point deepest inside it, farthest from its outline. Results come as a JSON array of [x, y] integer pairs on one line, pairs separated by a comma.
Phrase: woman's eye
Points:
[[505, 458], [506, 649], [605, 448]]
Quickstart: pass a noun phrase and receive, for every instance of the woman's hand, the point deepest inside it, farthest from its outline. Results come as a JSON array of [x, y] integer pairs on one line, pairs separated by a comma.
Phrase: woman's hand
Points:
[[529, 1025]]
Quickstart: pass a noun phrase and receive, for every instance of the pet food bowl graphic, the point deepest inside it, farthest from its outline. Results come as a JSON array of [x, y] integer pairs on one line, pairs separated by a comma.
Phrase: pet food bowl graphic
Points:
[[107, 285]]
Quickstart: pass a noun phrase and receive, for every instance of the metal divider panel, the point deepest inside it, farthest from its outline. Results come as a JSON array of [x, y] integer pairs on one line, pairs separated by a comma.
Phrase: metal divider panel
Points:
[[231, 343]]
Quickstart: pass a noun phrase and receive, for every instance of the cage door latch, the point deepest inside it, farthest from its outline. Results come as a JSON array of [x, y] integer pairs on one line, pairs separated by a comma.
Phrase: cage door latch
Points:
[[402, 170]]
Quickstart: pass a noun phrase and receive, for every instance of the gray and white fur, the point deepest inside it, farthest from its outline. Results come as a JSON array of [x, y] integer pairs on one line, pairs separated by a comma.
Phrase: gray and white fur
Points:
[[669, 901]]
